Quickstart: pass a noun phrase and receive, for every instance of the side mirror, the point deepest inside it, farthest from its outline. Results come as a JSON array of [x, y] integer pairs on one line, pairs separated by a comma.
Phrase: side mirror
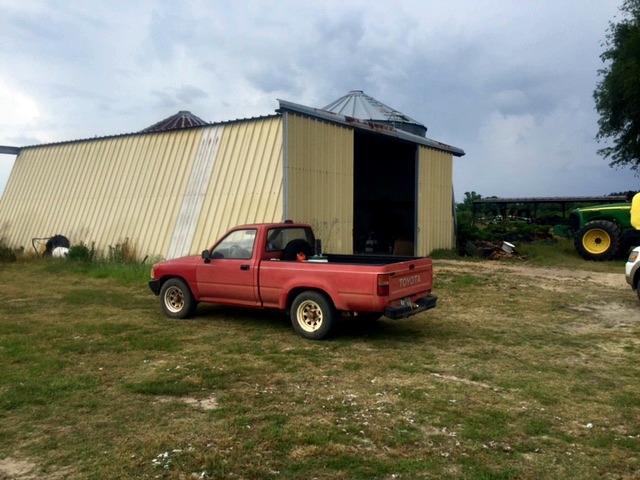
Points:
[[206, 256]]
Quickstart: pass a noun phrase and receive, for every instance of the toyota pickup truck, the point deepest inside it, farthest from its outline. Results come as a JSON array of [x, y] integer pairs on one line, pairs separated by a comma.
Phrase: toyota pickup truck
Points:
[[281, 266]]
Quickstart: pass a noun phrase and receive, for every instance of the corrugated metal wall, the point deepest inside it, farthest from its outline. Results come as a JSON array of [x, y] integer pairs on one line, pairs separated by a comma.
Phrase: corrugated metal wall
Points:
[[168, 193], [175, 193], [319, 179], [102, 191], [435, 194], [195, 192], [246, 185]]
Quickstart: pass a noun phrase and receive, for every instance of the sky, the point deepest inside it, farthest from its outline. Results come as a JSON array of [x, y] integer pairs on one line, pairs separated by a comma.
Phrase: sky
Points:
[[511, 83]]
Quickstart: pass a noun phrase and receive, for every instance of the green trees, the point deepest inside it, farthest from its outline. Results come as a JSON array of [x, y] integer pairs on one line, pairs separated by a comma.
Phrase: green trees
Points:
[[617, 94]]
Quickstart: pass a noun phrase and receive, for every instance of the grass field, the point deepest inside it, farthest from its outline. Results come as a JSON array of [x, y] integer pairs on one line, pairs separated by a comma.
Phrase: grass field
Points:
[[520, 372]]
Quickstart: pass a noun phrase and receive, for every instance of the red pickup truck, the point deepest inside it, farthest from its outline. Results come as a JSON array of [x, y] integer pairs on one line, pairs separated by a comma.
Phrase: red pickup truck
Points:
[[280, 266]]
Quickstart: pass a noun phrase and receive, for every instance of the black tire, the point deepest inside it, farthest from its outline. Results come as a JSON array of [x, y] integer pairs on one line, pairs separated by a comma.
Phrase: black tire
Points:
[[54, 242], [313, 315], [598, 240], [176, 299]]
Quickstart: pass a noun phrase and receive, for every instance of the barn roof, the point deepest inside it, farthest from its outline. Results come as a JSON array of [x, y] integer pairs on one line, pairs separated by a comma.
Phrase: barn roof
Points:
[[376, 127], [182, 119]]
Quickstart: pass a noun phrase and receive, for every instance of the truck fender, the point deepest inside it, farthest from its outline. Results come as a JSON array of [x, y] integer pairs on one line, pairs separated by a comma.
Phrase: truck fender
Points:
[[289, 294], [191, 283]]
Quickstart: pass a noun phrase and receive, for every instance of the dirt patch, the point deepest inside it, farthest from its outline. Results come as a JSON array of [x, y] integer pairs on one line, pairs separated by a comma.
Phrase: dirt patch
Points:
[[210, 403], [12, 469], [463, 380], [614, 314], [546, 278]]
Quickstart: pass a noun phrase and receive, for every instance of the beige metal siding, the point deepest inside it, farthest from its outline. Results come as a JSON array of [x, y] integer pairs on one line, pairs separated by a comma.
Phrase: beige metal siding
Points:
[[319, 179], [195, 194], [169, 194], [103, 191], [435, 194], [246, 183]]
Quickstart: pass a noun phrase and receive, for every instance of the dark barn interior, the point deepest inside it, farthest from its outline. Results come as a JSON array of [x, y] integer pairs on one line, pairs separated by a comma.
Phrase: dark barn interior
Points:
[[384, 195]]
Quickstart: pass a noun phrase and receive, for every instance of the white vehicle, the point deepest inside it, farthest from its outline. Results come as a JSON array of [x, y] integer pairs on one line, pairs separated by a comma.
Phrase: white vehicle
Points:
[[632, 270]]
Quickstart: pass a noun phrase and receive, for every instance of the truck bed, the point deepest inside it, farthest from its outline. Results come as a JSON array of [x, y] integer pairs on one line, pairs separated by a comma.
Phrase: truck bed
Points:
[[373, 260], [351, 281]]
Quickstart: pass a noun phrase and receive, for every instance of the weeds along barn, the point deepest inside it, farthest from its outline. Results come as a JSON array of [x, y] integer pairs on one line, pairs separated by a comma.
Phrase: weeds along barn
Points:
[[363, 174]]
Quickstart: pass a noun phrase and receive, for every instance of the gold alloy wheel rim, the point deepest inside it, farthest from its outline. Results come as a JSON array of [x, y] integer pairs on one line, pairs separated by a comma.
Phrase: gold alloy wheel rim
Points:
[[309, 316], [596, 241], [174, 299]]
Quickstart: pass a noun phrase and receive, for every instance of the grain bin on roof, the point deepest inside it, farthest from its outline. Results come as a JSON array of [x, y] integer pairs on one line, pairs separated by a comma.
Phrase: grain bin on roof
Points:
[[182, 119], [363, 185], [359, 105]]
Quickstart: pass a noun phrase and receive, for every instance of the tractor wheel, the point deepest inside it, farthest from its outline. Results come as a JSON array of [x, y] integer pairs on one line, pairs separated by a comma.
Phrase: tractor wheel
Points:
[[598, 240]]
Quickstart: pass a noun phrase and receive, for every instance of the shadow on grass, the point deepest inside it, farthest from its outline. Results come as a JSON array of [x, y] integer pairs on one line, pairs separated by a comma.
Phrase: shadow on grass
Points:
[[274, 321]]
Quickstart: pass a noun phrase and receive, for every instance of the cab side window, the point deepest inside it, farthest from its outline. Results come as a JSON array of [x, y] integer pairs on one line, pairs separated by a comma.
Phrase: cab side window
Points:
[[278, 238], [238, 245]]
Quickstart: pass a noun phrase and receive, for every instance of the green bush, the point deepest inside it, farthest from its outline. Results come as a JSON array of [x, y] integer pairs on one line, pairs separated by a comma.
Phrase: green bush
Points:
[[7, 254], [516, 232], [82, 252]]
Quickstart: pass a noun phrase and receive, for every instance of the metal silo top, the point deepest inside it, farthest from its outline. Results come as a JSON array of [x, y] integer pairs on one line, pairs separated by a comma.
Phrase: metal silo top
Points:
[[359, 105], [182, 119]]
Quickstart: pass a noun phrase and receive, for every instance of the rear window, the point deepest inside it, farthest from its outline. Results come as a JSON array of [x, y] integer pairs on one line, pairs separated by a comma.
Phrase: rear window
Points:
[[277, 238]]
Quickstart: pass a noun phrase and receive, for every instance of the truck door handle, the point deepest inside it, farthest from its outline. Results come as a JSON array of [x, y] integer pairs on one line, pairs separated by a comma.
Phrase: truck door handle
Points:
[[245, 267]]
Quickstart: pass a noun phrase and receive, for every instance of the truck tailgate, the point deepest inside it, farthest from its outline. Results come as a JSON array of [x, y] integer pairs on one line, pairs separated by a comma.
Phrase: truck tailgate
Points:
[[410, 278]]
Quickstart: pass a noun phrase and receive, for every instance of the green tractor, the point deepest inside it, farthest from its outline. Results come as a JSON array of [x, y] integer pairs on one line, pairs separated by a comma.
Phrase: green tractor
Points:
[[604, 231]]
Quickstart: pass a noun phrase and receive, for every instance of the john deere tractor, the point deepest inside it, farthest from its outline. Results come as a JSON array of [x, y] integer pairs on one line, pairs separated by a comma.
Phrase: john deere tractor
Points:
[[606, 230]]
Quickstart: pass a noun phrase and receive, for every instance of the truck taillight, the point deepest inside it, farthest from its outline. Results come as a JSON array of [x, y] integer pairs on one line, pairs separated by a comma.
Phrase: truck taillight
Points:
[[383, 285]]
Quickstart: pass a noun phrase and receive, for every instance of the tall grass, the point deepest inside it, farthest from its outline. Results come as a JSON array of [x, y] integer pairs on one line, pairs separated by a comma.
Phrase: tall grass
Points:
[[551, 253], [120, 263], [563, 254]]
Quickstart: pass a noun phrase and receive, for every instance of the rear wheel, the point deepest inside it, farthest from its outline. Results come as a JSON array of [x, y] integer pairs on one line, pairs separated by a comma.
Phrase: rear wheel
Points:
[[176, 299], [313, 315], [598, 240]]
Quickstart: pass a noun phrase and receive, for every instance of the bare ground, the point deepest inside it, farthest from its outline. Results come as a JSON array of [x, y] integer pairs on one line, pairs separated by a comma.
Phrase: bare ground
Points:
[[548, 278], [560, 280]]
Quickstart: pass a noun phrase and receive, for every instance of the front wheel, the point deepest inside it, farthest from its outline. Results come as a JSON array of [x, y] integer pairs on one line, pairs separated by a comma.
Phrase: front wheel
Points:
[[598, 240], [313, 315], [176, 299]]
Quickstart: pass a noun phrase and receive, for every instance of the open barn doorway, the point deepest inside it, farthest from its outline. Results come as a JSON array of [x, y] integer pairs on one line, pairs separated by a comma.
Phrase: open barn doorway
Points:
[[384, 195]]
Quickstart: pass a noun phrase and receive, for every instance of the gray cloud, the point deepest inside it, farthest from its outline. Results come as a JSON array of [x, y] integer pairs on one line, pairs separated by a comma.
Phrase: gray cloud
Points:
[[510, 83]]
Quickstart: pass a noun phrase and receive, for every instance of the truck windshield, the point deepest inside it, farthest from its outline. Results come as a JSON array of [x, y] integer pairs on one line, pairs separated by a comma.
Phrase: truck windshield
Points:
[[277, 238]]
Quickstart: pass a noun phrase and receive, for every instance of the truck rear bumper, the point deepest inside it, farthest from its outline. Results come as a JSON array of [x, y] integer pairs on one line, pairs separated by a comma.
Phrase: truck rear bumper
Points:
[[405, 311]]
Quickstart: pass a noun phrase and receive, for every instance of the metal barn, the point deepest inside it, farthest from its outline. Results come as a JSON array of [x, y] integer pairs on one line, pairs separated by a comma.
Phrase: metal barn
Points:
[[365, 184]]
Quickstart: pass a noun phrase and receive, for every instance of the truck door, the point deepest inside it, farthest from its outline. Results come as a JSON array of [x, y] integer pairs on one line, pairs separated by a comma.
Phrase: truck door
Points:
[[230, 276]]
